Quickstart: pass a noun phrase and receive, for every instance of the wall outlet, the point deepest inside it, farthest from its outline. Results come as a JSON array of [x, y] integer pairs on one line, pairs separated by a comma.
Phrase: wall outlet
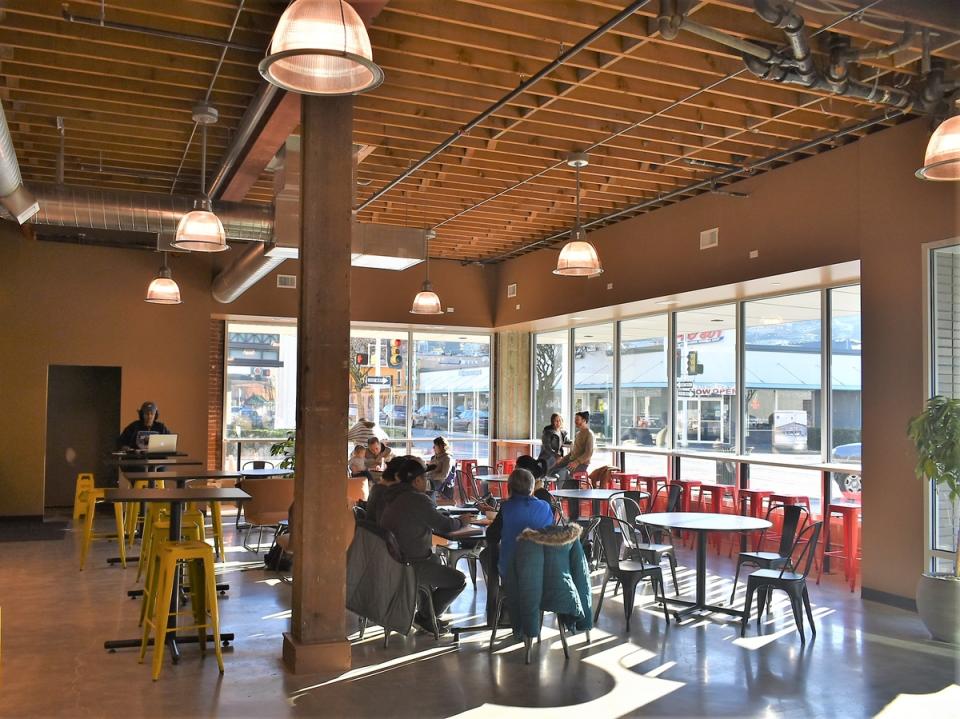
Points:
[[450, 310], [754, 254], [609, 285], [518, 307], [709, 238], [512, 290]]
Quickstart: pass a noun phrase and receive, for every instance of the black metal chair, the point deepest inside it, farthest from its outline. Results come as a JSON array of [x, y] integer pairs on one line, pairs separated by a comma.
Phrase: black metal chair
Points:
[[674, 495], [629, 572], [792, 515], [451, 554], [764, 581], [527, 641], [628, 511]]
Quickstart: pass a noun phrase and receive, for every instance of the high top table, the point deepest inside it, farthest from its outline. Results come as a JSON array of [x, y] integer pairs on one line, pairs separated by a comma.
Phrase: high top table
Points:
[[702, 523], [182, 476], [595, 495], [176, 498]]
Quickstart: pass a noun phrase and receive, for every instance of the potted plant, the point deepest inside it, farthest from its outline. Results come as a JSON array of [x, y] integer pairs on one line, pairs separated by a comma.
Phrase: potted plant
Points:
[[285, 449], [936, 435]]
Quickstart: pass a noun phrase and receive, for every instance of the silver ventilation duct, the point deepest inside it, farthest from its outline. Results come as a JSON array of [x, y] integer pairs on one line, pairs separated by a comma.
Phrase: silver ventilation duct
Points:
[[246, 270], [13, 196], [142, 212]]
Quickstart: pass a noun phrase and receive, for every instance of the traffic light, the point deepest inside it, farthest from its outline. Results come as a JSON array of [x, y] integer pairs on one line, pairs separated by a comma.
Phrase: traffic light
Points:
[[394, 354], [361, 359], [692, 366]]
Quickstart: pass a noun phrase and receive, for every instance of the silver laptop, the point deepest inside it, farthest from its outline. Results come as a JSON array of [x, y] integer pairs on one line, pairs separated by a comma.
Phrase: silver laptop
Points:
[[162, 444]]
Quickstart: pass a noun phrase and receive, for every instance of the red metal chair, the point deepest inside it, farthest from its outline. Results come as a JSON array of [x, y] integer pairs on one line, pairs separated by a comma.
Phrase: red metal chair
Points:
[[650, 484], [624, 481], [710, 499], [506, 466]]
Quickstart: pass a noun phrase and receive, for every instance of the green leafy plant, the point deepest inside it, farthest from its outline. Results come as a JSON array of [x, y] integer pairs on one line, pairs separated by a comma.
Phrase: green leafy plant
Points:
[[285, 449], [935, 433]]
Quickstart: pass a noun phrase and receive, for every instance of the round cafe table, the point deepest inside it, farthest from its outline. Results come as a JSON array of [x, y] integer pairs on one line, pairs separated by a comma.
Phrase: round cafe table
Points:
[[702, 523], [594, 495]]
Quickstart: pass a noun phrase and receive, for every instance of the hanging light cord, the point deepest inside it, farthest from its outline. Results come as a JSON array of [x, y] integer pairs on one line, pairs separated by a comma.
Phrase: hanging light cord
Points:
[[577, 226], [203, 166]]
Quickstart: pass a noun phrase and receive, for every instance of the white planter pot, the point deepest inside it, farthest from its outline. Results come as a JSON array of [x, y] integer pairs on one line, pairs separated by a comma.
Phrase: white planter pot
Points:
[[938, 603]]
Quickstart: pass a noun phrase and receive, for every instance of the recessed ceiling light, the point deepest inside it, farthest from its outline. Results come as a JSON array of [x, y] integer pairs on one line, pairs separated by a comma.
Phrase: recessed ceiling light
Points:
[[666, 302]]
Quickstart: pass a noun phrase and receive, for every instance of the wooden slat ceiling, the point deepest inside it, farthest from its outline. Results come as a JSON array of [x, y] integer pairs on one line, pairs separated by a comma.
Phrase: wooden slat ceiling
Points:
[[126, 100]]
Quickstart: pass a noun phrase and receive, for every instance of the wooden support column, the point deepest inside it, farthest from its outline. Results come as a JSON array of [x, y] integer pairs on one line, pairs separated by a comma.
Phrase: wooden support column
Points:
[[323, 524]]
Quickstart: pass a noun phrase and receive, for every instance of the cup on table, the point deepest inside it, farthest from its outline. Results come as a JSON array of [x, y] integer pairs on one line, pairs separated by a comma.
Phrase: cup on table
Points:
[[491, 515]]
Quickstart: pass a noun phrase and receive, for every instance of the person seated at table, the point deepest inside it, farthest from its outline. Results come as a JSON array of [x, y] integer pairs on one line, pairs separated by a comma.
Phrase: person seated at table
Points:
[[438, 468], [413, 519], [553, 439], [377, 455], [148, 420], [582, 451], [380, 493], [521, 511], [537, 469]]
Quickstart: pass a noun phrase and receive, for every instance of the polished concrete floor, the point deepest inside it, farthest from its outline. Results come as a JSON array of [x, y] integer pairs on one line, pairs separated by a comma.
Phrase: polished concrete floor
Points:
[[866, 659]]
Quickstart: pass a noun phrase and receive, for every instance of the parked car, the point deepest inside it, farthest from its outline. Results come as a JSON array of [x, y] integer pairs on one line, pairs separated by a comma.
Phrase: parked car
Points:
[[393, 415], [473, 421], [246, 417], [848, 453], [433, 416]]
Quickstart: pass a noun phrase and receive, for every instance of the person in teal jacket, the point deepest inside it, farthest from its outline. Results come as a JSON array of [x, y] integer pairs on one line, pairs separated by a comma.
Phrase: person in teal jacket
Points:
[[548, 574]]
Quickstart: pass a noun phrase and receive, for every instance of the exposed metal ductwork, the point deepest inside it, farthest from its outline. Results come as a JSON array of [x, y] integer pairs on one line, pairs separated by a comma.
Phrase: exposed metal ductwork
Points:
[[795, 64], [246, 270], [142, 212], [13, 196]]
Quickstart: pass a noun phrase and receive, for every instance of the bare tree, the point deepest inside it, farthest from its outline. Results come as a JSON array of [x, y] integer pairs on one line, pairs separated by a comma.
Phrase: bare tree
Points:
[[548, 364]]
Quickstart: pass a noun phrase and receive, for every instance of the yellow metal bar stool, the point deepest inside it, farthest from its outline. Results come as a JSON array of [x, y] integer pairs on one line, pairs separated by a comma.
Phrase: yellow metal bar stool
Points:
[[131, 511], [215, 516], [155, 512], [191, 529], [85, 482], [203, 593], [91, 497]]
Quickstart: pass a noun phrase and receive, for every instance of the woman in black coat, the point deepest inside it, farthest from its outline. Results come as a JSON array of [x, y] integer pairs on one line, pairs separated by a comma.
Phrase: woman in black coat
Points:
[[553, 440]]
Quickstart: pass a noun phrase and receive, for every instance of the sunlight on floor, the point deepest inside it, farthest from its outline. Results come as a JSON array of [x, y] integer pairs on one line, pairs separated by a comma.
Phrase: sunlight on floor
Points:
[[944, 704]]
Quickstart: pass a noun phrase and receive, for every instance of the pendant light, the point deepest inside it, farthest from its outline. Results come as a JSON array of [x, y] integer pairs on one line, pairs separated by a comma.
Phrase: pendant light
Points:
[[163, 290], [426, 302], [942, 158], [320, 47], [200, 230], [578, 258]]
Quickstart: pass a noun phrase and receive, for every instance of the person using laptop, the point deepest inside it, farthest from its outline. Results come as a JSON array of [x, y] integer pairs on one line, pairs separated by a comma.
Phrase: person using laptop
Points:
[[148, 421]]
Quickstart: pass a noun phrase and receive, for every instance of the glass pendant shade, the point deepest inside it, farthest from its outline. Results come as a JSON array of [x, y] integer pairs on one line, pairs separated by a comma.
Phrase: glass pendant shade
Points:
[[200, 231], [578, 258], [163, 290], [426, 302], [320, 47], [942, 159]]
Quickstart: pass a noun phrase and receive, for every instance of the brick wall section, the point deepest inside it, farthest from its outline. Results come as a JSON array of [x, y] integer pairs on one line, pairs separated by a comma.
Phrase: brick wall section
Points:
[[215, 394]]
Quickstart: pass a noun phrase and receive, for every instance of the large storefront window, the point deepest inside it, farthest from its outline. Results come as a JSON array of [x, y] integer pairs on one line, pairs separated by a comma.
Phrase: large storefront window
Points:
[[782, 376], [378, 379], [706, 386], [550, 376], [451, 392], [593, 377], [644, 376], [945, 380], [845, 354]]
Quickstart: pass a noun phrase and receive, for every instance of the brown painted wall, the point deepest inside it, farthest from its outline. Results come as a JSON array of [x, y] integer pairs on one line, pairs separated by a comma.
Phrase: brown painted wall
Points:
[[69, 304], [384, 296], [799, 216]]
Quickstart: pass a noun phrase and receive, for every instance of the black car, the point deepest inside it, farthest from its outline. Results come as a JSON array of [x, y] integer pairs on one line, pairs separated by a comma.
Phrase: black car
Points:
[[432, 417], [472, 421]]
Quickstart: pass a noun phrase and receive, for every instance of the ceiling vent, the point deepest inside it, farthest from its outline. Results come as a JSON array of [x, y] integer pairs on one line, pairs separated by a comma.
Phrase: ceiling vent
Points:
[[709, 238]]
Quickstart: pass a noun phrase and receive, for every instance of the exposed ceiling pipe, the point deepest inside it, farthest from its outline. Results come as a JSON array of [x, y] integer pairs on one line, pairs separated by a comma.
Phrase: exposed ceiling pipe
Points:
[[799, 69], [709, 184], [13, 195], [244, 272], [140, 212], [562, 58], [166, 34]]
